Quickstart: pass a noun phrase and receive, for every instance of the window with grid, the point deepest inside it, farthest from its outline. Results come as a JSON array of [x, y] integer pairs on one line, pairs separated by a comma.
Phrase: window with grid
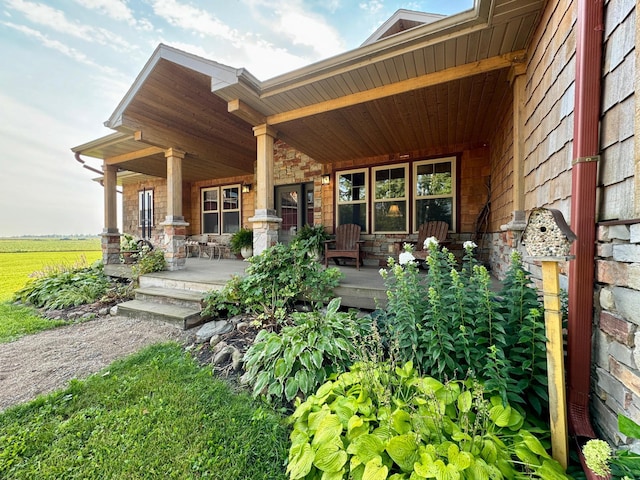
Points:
[[434, 191], [221, 209], [352, 198], [390, 213]]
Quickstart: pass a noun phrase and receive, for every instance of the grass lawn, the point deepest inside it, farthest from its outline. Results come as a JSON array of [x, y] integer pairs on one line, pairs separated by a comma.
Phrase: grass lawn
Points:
[[19, 258], [156, 414]]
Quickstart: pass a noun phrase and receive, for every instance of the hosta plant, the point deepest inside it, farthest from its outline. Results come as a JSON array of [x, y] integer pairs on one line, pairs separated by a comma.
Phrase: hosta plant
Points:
[[376, 423], [298, 359]]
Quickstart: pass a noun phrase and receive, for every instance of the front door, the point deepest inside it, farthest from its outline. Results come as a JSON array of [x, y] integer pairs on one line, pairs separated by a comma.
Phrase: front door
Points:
[[294, 204]]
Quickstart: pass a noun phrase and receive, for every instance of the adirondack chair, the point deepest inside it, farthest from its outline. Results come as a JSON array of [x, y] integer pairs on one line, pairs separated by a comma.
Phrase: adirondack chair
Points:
[[347, 245], [439, 230]]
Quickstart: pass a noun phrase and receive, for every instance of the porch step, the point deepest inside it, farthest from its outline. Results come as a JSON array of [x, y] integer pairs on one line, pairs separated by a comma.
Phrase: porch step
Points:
[[170, 296], [184, 317], [162, 280]]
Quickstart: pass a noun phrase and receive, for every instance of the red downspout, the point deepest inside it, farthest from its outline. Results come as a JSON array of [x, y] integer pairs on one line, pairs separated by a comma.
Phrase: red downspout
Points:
[[586, 148]]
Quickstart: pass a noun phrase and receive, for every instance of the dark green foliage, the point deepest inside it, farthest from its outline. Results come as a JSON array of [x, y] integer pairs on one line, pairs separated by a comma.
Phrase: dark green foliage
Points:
[[68, 288], [241, 239], [451, 325], [273, 282], [154, 415], [312, 238], [298, 359]]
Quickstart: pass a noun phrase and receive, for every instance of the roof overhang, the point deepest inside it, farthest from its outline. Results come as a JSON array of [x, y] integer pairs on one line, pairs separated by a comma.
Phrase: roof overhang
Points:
[[434, 86]]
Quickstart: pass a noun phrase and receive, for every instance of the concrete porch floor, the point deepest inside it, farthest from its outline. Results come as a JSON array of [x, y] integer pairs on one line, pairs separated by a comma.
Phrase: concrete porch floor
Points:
[[358, 289]]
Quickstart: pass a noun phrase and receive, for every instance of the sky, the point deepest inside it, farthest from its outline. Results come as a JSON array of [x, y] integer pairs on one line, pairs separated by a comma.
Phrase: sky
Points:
[[68, 63]]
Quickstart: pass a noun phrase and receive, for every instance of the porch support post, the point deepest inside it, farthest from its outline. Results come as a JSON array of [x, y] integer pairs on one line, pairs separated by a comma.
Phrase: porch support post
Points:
[[110, 241], [265, 222], [175, 228], [518, 81]]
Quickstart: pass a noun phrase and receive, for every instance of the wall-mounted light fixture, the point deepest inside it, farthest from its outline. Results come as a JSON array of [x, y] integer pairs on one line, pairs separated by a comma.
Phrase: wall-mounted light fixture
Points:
[[326, 179], [246, 187]]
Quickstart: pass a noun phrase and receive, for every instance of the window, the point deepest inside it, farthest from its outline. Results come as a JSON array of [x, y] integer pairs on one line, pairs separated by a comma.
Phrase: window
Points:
[[145, 208], [221, 209], [352, 198], [434, 191], [390, 199]]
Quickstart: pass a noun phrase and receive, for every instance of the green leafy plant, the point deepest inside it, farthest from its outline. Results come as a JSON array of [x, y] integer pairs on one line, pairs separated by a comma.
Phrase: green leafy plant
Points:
[[149, 261], [66, 288], [312, 238], [273, 282], [297, 360], [241, 239], [451, 324], [621, 464], [128, 243], [375, 422]]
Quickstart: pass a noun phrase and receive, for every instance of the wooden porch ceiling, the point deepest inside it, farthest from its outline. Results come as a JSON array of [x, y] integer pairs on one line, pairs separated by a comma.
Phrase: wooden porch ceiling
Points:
[[432, 86]]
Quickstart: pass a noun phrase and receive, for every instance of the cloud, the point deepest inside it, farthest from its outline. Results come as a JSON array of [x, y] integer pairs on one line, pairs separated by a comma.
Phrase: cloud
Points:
[[311, 31], [56, 20], [372, 6], [191, 18], [62, 48], [117, 10]]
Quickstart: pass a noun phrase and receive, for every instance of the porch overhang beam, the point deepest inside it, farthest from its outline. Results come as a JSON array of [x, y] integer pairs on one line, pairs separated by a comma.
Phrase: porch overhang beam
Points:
[[126, 157], [246, 112], [424, 81]]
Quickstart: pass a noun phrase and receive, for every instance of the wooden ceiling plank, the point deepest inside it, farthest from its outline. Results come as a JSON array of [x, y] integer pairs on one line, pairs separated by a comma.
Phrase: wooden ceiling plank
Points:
[[501, 61]]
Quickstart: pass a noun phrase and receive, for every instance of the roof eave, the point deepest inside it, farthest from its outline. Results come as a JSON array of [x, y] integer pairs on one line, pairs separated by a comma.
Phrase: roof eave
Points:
[[221, 75]]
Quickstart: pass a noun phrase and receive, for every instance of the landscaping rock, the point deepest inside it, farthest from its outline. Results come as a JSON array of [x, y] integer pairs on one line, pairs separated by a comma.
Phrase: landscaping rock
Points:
[[208, 330], [216, 339], [103, 312], [223, 355], [114, 310]]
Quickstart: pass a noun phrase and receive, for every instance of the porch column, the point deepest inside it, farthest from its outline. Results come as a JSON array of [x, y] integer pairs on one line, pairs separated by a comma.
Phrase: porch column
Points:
[[265, 222], [175, 228], [518, 81], [110, 241]]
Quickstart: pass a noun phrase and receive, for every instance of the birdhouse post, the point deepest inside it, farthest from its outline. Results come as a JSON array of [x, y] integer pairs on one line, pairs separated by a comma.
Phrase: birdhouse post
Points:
[[547, 238]]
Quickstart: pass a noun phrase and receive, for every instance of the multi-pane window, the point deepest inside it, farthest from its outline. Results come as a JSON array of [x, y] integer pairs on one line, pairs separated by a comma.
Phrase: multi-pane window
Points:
[[352, 198], [390, 199], [221, 209], [434, 191]]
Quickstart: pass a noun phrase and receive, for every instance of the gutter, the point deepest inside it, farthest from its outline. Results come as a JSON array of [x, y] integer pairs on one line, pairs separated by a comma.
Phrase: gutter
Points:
[[586, 145]]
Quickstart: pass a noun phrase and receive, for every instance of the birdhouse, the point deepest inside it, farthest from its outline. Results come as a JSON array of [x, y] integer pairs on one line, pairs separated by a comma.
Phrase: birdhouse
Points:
[[547, 234]]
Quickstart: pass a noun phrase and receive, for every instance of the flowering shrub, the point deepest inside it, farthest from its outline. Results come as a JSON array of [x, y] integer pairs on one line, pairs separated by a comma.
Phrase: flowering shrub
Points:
[[451, 325], [622, 464]]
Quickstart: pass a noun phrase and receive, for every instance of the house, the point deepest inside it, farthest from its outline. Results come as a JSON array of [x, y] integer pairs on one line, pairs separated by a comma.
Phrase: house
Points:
[[507, 107]]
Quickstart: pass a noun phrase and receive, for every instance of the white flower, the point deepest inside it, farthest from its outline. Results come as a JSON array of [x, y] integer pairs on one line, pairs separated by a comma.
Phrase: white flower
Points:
[[430, 241], [407, 247], [469, 245], [597, 454], [405, 257], [383, 273]]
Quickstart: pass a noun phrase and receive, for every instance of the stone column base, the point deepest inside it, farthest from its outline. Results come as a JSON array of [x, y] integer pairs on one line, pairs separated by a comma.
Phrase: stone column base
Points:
[[265, 230], [110, 244], [175, 233]]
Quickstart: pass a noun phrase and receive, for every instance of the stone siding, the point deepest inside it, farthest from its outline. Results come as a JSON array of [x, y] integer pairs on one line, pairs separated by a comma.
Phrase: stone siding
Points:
[[130, 221], [617, 334]]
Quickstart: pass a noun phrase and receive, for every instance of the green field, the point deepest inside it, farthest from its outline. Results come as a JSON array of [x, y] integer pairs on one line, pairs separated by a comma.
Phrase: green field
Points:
[[19, 258]]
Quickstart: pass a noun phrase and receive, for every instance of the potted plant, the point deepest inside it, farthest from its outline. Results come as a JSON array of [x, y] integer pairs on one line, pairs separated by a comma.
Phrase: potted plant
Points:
[[129, 248], [312, 238], [242, 242]]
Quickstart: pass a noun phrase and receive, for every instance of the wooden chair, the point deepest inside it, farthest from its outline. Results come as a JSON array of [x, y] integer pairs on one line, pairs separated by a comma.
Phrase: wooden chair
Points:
[[347, 245], [439, 230]]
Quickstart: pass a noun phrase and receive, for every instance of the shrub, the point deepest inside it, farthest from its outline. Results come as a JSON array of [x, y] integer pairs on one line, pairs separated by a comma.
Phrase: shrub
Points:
[[375, 422], [273, 282], [451, 325], [149, 261], [65, 288], [241, 239], [298, 359]]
